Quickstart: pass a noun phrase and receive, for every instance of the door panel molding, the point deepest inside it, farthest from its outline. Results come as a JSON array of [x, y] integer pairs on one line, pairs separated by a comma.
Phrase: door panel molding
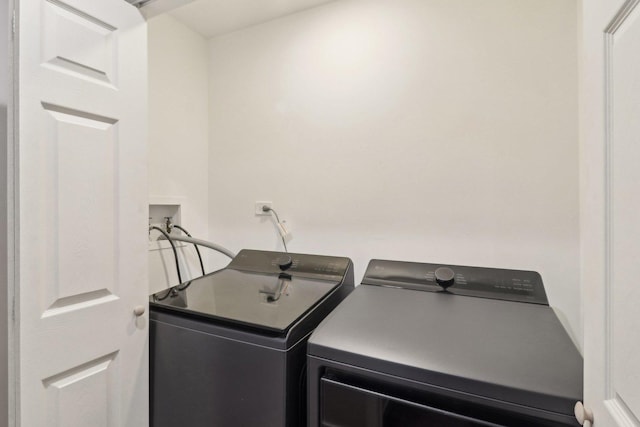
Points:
[[70, 37], [72, 395]]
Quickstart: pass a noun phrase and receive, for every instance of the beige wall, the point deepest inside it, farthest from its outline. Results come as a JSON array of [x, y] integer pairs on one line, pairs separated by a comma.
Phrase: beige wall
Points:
[[178, 137], [424, 130]]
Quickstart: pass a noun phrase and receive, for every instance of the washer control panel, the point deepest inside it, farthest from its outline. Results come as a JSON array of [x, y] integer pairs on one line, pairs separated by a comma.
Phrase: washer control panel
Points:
[[495, 283], [297, 265]]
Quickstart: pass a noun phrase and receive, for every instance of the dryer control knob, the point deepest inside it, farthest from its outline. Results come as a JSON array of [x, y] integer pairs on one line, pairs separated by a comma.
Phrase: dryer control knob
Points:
[[284, 262], [444, 277]]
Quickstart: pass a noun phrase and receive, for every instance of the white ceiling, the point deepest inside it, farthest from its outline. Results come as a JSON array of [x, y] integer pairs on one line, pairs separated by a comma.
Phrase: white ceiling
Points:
[[214, 17]]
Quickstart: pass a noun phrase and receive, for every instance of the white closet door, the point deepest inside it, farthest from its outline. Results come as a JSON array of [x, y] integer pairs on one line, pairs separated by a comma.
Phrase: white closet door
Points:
[[611, 210], [82, 214]]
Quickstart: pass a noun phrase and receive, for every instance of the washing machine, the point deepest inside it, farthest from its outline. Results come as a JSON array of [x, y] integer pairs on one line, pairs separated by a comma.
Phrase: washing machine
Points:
[[229, 348], [422, 344]]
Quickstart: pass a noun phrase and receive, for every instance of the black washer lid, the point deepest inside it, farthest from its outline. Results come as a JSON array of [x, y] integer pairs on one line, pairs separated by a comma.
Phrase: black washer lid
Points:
[[254, 290]]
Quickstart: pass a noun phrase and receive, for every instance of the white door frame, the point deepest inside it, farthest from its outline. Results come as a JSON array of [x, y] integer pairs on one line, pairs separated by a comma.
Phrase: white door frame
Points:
[[9, 185]]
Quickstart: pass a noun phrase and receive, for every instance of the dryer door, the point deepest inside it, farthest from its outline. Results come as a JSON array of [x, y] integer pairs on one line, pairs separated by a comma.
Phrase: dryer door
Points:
[[345, 405], [348, 405]]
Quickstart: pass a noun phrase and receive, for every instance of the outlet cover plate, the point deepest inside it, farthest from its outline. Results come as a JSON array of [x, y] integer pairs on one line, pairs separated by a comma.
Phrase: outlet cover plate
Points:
[[258, 208]]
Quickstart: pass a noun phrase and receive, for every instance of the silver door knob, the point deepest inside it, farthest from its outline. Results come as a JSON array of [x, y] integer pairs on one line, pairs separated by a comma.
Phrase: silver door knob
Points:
[[139, 310], [583, 415]]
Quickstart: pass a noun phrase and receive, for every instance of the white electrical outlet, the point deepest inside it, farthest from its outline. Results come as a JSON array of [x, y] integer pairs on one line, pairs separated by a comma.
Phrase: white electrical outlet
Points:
[[258, 208]]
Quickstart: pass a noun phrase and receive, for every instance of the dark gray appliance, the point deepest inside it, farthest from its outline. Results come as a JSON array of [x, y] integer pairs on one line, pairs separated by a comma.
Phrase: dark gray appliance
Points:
[[229, 349], [440, 345]]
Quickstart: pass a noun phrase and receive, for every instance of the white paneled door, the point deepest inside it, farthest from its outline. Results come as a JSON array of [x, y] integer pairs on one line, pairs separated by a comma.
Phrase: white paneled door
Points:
[[81, 214], [611, 210]]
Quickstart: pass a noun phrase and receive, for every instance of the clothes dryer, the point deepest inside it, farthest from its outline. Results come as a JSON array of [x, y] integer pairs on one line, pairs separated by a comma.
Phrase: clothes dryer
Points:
[[441, 345]]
